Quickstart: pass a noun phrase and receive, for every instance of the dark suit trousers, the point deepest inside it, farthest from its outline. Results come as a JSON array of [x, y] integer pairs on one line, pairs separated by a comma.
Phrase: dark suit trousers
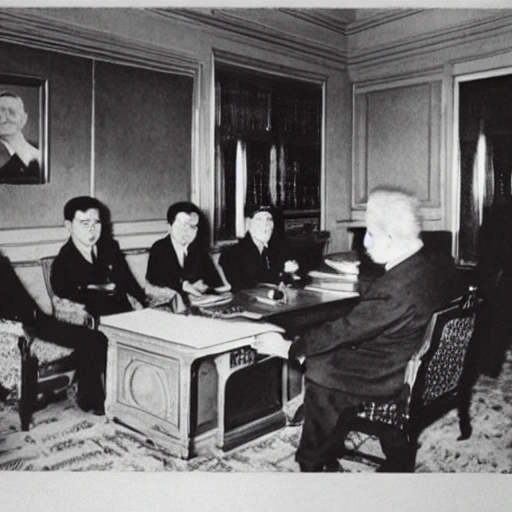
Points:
[[320, 442], [90, 350]]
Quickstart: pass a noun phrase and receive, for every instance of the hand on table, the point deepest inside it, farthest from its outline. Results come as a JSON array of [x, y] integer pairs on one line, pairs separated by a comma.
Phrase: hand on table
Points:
[[197, 288], [272, 343]]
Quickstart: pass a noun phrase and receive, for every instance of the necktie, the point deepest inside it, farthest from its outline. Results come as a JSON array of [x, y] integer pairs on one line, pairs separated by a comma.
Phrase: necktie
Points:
[[94, 258], [264, 258]]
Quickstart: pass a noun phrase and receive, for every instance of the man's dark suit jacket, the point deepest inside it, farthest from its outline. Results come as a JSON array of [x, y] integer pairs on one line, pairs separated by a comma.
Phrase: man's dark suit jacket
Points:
[[71, 273], [14, 170], [245, 267], [366, 352], [164, 268]]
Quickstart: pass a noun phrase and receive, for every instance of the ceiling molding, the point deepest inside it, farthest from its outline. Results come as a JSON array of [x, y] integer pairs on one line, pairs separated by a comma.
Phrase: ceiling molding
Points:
[[235, 28], [33, 29], [422, 44], [382, 17], [323, 18], [262, 66]]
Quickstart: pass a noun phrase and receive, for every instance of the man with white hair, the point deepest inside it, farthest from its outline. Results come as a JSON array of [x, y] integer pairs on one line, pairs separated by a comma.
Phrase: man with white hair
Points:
[[19, 160], [364, 354]]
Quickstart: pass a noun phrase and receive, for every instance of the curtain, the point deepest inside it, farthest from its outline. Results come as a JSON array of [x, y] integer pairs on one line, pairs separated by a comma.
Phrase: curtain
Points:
[[272, 177], [241, 187]]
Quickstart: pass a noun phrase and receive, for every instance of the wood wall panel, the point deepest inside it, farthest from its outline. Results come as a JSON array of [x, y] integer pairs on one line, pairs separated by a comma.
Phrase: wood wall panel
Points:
[[143, 135], [397, 142]]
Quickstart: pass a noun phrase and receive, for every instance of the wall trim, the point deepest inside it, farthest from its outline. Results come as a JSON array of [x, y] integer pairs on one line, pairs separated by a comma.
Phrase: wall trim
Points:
[[432, 207], [266, 67], [320, 19], [379, 19], [415, 46], [27, 245], [258, 35], [23, 26]]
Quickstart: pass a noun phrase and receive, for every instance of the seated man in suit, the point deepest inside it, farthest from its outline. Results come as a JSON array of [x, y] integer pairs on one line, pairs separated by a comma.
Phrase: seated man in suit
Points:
[[19, 160], [364, 354], [180, 261], [90, 346], [90, 268], [261, 256]]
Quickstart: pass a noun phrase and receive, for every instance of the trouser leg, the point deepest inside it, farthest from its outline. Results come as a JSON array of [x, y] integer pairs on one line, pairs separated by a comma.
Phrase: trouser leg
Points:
[[90, 350], [318, 446], [398, 452]]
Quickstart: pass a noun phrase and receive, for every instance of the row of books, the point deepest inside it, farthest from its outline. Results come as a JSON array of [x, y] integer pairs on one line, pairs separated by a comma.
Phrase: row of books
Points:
[[339, 274]]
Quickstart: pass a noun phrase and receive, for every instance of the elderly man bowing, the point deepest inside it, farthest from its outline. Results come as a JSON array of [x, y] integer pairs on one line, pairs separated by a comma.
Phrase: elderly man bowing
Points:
[[364, 354]]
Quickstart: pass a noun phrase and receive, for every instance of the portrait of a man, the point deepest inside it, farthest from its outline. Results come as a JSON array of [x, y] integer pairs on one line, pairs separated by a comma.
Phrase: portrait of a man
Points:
[[20, 159]]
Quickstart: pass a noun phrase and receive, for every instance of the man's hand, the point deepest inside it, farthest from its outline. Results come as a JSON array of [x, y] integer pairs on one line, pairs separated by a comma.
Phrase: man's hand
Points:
[[197, 288], [272, 343], [291, 267]]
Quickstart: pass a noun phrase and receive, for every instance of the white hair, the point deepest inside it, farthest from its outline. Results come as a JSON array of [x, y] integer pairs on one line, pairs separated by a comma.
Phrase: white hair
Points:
[[394, 211]]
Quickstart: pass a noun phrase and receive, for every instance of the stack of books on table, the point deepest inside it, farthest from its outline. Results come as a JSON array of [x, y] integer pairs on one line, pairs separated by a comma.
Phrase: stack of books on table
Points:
[[337, 275]]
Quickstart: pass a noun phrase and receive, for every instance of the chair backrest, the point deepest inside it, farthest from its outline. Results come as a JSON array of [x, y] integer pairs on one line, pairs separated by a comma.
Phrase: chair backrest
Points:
[[446, 351], [46, 266]]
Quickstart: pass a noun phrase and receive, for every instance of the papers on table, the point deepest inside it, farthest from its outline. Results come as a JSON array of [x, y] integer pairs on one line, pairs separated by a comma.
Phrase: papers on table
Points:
[[332, 276], [210, 299], [191, 331], [340, 293]]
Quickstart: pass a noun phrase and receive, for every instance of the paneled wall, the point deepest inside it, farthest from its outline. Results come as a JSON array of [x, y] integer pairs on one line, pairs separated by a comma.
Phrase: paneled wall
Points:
[[70, 79], [397, 141], [140, 158], [116, 131], [143, 132], [404, 66]]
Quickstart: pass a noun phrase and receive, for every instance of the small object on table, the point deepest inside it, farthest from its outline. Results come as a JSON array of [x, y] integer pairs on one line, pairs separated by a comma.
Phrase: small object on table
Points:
[[234, 311]]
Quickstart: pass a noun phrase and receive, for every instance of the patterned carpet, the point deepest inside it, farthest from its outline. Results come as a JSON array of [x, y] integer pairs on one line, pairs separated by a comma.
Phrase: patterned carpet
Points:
[[63, 438]]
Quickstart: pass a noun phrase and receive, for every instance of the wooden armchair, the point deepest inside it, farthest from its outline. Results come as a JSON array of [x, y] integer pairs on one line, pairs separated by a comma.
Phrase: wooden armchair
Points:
[[65, 309], [32, 369], [440, 376]]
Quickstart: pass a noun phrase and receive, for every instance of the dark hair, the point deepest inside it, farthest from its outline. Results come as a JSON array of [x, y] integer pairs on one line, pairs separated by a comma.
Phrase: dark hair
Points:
[[81, 204], [182, 206], [251, 210]]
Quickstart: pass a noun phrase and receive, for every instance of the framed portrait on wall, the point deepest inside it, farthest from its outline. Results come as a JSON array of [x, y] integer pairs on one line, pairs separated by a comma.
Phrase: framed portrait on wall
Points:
[[23, 130]]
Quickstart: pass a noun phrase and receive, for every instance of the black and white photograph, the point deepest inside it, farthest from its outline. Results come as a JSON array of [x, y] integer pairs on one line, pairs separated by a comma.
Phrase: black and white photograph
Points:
[[23, 128], [261, 260]]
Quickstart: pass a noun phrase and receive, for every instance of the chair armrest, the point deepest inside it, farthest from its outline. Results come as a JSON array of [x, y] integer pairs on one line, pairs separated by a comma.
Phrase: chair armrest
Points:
[[11, 327], [71, 312], [134, 303]]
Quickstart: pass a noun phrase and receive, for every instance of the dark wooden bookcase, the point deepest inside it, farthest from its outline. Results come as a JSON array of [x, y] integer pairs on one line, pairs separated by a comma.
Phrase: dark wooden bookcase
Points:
[[275, 123]]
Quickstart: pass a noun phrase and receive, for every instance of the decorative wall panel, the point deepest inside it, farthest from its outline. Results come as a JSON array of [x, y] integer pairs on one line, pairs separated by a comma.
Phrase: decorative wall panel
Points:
[[397, 142]]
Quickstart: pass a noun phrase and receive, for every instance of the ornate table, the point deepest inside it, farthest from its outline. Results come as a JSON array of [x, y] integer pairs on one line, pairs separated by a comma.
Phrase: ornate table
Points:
[[190, 383]]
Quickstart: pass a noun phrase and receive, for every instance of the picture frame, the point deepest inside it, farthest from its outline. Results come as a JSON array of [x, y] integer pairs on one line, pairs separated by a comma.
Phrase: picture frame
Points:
[[23, 130]]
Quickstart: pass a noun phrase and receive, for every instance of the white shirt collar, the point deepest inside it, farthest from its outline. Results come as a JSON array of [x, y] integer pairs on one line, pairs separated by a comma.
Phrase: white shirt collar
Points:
[[22, 148], [415, 247], [259, 245], [84, 250]]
